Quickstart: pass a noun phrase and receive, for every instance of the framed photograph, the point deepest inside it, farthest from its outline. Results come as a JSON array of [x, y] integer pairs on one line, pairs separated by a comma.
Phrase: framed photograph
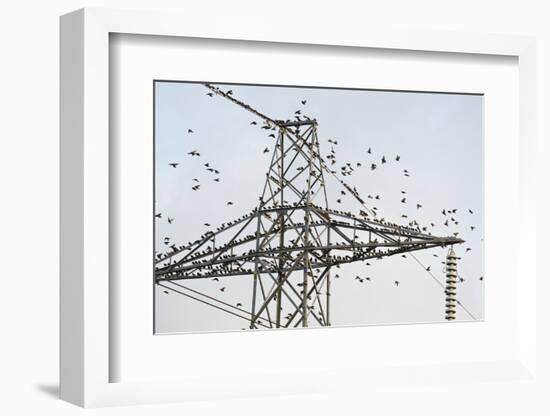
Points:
[[269, 206]]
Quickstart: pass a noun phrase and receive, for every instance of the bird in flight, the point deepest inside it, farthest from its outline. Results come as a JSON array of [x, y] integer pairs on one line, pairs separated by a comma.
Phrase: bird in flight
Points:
[[222, 289], [266, 150], [159, 215], [373, 166], [216, 179], [428, 268], [304, 102], [170, 220], [396, 283], [206, 224], [383, 159], [239, 305], [229, 203], [470, 211], [369, 151], [194, 153], [195, 188], [190, 131], [253, 123], [418, 206], [404, 201], [174, 165], [397, 158]]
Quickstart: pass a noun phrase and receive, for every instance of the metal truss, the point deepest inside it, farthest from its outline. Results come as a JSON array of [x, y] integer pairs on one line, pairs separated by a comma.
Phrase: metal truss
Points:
[[292, 242]]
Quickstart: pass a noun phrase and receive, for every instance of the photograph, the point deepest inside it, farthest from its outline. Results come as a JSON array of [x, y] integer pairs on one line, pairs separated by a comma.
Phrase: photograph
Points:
[[282, 207]]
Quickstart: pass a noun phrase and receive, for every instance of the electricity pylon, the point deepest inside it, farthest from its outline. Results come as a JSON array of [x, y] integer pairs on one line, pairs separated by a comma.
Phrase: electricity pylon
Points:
[[292, 242]]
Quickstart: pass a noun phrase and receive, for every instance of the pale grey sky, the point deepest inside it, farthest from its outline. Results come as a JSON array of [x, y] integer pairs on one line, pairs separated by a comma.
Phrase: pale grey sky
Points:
[[438, 136]]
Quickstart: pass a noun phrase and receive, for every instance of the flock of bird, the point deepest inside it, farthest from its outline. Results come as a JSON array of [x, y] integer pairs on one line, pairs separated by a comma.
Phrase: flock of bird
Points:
[[226, 264]]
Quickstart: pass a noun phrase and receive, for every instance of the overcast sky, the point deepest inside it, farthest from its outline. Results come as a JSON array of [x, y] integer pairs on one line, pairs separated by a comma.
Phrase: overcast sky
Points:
[[438, 136]]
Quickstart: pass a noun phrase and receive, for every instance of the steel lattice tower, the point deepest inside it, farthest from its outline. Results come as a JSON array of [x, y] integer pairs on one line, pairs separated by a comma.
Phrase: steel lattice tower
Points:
[[292, 241]]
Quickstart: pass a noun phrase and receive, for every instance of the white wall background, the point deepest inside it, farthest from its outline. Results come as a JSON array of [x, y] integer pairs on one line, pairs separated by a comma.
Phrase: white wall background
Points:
[[29, 208]]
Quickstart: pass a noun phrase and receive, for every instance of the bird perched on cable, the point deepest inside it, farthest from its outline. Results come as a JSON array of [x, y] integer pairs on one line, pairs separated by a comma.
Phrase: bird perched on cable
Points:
[[229, 92]]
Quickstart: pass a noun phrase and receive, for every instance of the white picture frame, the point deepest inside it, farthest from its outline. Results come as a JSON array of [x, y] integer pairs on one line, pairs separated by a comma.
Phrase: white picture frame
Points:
[[85, 354]]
